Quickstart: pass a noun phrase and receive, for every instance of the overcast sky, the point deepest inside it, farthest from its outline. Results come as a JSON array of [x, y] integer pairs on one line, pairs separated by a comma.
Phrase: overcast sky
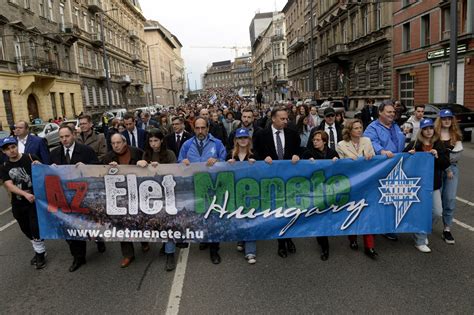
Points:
[[207, 23]]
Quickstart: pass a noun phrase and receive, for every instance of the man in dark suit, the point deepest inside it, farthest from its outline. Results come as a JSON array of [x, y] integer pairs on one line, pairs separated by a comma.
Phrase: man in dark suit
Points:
[[278, 142], [30, 144], [147, 122], [72, 153], [369, 113], [136, 137], [330, 126], [175, 140]]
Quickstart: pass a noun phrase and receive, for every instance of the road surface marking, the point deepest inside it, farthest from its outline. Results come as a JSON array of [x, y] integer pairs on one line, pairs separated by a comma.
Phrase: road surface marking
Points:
[[178, 283], [464, 225], [469, 203], [5, 211], [6, 226]]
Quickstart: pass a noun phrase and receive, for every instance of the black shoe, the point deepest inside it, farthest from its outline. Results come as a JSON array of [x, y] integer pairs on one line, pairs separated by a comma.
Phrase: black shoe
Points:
[[371, 253], [282, 252], [448, 237], [391, 236], [170, 262], [76, 264], [33, 260], [290, 246], [40, 260], [182, 245], [215, 258], [203, 246], [100, 247], [324, 255], [162, 249], [353, 245]]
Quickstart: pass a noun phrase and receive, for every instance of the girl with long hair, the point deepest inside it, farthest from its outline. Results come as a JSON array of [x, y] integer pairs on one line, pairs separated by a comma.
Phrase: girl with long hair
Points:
[[428, 140], [447, 127], [303, 130], [242, 151], [354, 146], [156, 153]]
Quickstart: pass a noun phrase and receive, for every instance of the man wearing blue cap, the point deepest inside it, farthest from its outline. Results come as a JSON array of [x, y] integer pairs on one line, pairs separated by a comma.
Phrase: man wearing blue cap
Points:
[[16, 174]]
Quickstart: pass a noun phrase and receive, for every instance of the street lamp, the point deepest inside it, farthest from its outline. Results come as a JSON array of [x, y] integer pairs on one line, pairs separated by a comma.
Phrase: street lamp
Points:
[[151, 75]]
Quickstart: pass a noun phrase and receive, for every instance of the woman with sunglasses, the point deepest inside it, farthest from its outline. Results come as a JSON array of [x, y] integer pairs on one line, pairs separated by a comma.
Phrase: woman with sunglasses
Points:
[[447, 127], [242, 151], [428, 140]]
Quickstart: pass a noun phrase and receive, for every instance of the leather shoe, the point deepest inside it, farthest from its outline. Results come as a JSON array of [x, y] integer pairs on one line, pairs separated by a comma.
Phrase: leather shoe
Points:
[[291, 246], [353, 245], [100, 247], [76, 264], [215, 258], [282, 252], [145, 248], [324, 255], [126, 261], [170, 262], [203, 246], [371, 253]]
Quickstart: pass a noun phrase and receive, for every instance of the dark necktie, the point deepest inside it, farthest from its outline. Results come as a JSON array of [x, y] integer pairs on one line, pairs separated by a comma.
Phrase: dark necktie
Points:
[[332, 143], [178, 141], [68, 157], [280, 151], [134, 143], [200, 147]]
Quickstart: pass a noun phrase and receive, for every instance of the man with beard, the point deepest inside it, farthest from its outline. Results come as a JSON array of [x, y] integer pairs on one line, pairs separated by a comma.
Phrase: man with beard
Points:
[[247, 122]]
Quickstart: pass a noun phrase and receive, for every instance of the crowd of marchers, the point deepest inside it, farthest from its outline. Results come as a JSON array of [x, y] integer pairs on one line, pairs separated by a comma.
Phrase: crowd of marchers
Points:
[[220, 126]]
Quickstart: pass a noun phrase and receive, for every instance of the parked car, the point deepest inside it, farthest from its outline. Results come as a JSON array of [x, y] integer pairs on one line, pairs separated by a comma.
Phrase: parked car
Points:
[[4, 134], [118, 113], [337, 105], [464, 115], [49, 132]]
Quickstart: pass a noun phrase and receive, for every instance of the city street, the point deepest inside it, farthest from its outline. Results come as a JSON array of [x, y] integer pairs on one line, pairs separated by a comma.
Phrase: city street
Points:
[[403, 280]]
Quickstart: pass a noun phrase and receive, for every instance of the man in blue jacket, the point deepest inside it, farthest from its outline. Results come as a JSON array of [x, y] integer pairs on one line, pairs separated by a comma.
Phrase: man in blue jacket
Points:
[[30, 144], [203, 147]]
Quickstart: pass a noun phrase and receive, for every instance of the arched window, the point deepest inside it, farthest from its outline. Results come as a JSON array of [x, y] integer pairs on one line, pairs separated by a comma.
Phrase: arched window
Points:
[[86, 96], [367, 73], [101, 97], [380, 71], [94, 97]]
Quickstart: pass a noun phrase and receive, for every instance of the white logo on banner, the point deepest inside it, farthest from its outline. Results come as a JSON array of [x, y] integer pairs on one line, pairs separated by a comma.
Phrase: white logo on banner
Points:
[[399, 190]]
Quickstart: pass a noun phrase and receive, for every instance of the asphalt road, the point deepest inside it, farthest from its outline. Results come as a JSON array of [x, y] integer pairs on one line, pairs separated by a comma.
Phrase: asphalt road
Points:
[[401, 281]]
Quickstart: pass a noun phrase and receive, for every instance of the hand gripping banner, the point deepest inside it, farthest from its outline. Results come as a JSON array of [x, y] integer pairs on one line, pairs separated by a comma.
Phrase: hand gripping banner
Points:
[[235, 202]]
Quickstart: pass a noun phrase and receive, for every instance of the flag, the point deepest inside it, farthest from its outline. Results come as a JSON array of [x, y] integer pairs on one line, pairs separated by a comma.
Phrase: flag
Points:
[[241, 92], [213, 99]]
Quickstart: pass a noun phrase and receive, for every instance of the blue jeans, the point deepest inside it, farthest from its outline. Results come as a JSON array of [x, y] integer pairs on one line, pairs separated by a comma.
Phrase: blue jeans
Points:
[[170, 247], [448, 194], [422, 238], [250, 248]]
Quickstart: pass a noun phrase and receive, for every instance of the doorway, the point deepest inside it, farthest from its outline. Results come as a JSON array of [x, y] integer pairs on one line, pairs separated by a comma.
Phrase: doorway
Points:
[[32, 107]]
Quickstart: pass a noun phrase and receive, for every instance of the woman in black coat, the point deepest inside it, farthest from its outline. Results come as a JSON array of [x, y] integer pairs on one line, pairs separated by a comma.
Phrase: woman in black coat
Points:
[[320, 151]]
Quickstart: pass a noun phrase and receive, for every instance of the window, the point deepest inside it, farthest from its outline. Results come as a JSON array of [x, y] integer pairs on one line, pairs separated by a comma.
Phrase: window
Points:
[[81, 56], [86, 25], [27, 4], [367, 73], [445, 24], [2, 49], [7, 100], [405, 3], [53, 104], [355, 82], [354, 27], [380, 72], [75, 16], [73, 105], [344, 32], [86, 96], [406, 37], [94, 97], [50, 10], [42, 11], [425, 30], [407, 88], [378, 16], [101, 97], [63, 106], [365, 21]]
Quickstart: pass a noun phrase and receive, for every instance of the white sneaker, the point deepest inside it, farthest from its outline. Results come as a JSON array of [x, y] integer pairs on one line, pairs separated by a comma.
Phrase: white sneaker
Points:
[[251, 259], [423, 248]]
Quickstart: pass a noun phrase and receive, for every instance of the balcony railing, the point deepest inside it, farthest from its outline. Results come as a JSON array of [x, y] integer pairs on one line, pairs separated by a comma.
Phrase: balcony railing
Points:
[[125, 79], [135, 58], [94, 6], [38, 65], [296, 43], [133, 34], [96, 39]]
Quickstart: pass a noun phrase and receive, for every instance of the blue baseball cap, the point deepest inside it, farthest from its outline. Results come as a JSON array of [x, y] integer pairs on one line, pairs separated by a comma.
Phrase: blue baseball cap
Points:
[[242, 133], [426, 122], [446, 113], [7, 141]]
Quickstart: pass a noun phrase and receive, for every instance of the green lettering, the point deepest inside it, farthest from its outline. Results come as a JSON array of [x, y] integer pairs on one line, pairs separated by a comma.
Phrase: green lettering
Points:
[[205, 190], [298, 193], [272, 193], [247, 194], [337, 190]]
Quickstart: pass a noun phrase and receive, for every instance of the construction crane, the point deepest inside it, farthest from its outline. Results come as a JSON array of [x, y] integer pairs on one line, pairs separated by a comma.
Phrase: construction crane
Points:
[[235, 48]]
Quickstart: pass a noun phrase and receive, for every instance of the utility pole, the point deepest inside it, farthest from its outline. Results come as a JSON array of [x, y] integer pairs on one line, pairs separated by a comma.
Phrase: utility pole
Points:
[[151, 76], [453, 52], [171, 79], [106, 59], [311, 47]]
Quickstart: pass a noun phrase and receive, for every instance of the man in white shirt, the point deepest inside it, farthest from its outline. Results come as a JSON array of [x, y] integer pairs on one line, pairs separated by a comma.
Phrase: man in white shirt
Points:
[[415, 119], [30, 144]]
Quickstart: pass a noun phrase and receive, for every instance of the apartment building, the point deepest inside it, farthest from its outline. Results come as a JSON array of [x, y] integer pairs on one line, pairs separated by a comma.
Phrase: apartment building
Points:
[[120, 24], [421, 35], [218, 75], [242, 74], [166, 64], [270, 64], [38, 77]]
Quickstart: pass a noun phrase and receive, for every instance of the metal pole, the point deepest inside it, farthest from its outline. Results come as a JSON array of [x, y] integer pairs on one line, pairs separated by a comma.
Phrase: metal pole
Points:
[[151, 77], [453, 52], [187, 77], [106, 60], [273, 70], [172, 89], [311, 47]]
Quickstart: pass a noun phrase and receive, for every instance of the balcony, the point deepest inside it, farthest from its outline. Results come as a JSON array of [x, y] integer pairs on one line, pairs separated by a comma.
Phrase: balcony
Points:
[[37, 65], [94, 6], [125, 79], [296, 43], [133, 34], [96, 40], [137, 83], [277, 38], [69, 32], [338, 52], [136, 58], [101, 74]]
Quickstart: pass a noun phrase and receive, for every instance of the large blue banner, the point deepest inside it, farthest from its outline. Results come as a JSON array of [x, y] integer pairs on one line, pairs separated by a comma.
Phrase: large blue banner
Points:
[[241, 201]]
